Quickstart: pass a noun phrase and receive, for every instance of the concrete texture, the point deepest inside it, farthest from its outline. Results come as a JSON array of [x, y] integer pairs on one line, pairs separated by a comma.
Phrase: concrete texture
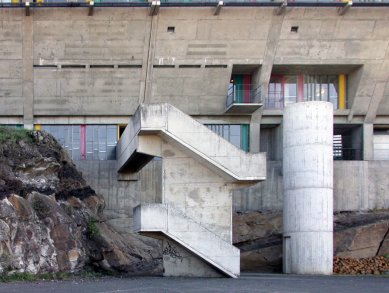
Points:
[[200, 170], [308, 188], [201, 54], [358, 186], [191, 235], [181, 130]]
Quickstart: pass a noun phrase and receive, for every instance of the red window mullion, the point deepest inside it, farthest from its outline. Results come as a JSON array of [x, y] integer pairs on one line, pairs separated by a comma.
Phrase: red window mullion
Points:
[[282, 97], [83, 141], [300, 88]]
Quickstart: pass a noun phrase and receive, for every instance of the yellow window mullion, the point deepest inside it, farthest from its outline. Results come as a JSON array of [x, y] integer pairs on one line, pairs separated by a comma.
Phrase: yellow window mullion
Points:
[[342, 91]]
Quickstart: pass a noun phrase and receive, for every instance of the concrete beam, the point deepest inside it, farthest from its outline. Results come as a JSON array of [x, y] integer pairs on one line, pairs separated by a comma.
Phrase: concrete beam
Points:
[[343, 10], [27, 8], [375, 101], [28, 73], [270, 51], [368, 144], [282, 7], [218, 8], [154, 8], [91, 6]]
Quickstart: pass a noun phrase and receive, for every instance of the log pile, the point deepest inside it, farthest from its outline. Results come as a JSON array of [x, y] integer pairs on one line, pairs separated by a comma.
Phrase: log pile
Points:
[[364, 266]]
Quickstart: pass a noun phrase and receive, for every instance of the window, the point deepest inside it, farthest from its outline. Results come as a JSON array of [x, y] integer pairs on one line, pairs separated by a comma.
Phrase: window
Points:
[[286, 89], [381, 144], [86, 142], [348, 142], [68, 136], [237, 134], [321, 88]]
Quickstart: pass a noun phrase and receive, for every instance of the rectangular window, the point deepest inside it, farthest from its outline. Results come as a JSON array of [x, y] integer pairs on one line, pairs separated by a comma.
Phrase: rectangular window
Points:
[[86, 142], [381, 144], [290, 89], [322, 88], [236, 134], [286, 89]]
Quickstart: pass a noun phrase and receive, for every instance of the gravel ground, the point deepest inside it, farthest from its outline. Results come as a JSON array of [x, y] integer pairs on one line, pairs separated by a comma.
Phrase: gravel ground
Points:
[[246, 283]]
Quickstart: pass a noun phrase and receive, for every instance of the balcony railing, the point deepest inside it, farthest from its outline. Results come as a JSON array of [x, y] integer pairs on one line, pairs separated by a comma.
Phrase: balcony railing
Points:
[[346, 154], [274, 100], [243, 94], [189, 3], [243, 99]]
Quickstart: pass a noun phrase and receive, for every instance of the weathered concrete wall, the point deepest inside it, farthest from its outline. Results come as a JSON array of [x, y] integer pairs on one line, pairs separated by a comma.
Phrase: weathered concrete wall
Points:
[[199, 91], [121, 196], [265, 195], [128, 36], [358, 186], [86, 91], [11, 63]]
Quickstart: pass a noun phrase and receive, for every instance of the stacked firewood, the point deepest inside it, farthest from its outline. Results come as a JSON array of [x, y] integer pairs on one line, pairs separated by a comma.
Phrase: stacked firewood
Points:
[[351, 266]]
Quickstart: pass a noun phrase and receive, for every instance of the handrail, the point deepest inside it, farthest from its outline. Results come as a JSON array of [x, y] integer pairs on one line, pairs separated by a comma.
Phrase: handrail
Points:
[[190, 3], [346, 154]]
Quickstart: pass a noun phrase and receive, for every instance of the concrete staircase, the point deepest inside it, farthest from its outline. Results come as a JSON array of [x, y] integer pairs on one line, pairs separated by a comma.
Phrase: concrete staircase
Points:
[[190, 136], [200, 170], [177, 226]]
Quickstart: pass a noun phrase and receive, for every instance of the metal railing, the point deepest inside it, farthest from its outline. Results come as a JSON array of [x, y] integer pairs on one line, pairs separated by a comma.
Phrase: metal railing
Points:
[[243, 94], [274, 100], [346, 154], [142, 3]]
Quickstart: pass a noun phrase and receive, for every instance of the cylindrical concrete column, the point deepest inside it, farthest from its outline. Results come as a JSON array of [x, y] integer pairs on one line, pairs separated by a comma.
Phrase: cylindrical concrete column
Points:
[[308, 188]]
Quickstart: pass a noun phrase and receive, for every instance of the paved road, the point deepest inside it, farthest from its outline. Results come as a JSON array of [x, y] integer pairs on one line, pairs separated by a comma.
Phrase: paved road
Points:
[[246, 283]]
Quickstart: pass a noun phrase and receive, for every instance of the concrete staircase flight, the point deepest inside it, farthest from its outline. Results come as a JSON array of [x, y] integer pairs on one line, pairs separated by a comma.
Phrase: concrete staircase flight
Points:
[[176, 225], [190, 136]]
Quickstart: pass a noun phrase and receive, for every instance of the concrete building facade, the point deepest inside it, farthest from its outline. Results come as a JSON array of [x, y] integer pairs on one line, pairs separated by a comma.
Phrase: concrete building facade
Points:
[[81, 71]]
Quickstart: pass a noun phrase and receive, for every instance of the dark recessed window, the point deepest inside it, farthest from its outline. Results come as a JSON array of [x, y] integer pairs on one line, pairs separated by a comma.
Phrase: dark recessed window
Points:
[[171, 29], [294, 29]]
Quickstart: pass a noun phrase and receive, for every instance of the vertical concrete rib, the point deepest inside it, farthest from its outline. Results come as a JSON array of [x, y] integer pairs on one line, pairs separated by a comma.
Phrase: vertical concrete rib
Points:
[[308, 188], [28, 74]]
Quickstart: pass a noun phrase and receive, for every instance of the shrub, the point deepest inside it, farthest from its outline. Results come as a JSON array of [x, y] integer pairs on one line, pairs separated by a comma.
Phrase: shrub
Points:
[[14, 135], [92, 229]]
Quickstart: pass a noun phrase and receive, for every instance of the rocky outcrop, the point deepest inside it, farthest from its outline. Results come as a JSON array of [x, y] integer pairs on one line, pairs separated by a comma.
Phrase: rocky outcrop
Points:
[[259, 236], [51, 220]]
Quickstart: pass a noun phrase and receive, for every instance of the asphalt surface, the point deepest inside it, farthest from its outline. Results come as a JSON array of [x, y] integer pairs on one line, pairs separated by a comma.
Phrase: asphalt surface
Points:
[[246, 283]]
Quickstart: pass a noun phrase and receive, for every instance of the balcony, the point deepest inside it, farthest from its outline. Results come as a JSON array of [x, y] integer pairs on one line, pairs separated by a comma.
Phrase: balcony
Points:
[[243, 99]]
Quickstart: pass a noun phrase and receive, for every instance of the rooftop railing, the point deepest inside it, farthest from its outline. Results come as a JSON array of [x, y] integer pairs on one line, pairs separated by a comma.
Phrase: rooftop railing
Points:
[[243, 94], [189, 3]]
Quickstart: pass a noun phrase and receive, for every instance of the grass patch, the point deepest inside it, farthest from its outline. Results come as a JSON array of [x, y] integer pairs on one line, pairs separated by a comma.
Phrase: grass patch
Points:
[[28, 277], [14, 135], [92, 230], [87, 273]]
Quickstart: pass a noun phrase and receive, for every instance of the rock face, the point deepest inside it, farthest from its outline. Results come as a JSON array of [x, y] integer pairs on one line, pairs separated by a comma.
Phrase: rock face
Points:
[[259, 236], [51, 220]]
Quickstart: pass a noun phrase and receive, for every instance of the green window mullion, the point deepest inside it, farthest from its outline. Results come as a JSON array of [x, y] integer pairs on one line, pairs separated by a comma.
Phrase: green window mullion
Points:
[[245, 137], [238, 88]]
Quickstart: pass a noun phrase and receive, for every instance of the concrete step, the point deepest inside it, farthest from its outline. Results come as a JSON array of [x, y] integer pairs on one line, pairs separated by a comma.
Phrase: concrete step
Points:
[[184, 132], [176, 225]]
